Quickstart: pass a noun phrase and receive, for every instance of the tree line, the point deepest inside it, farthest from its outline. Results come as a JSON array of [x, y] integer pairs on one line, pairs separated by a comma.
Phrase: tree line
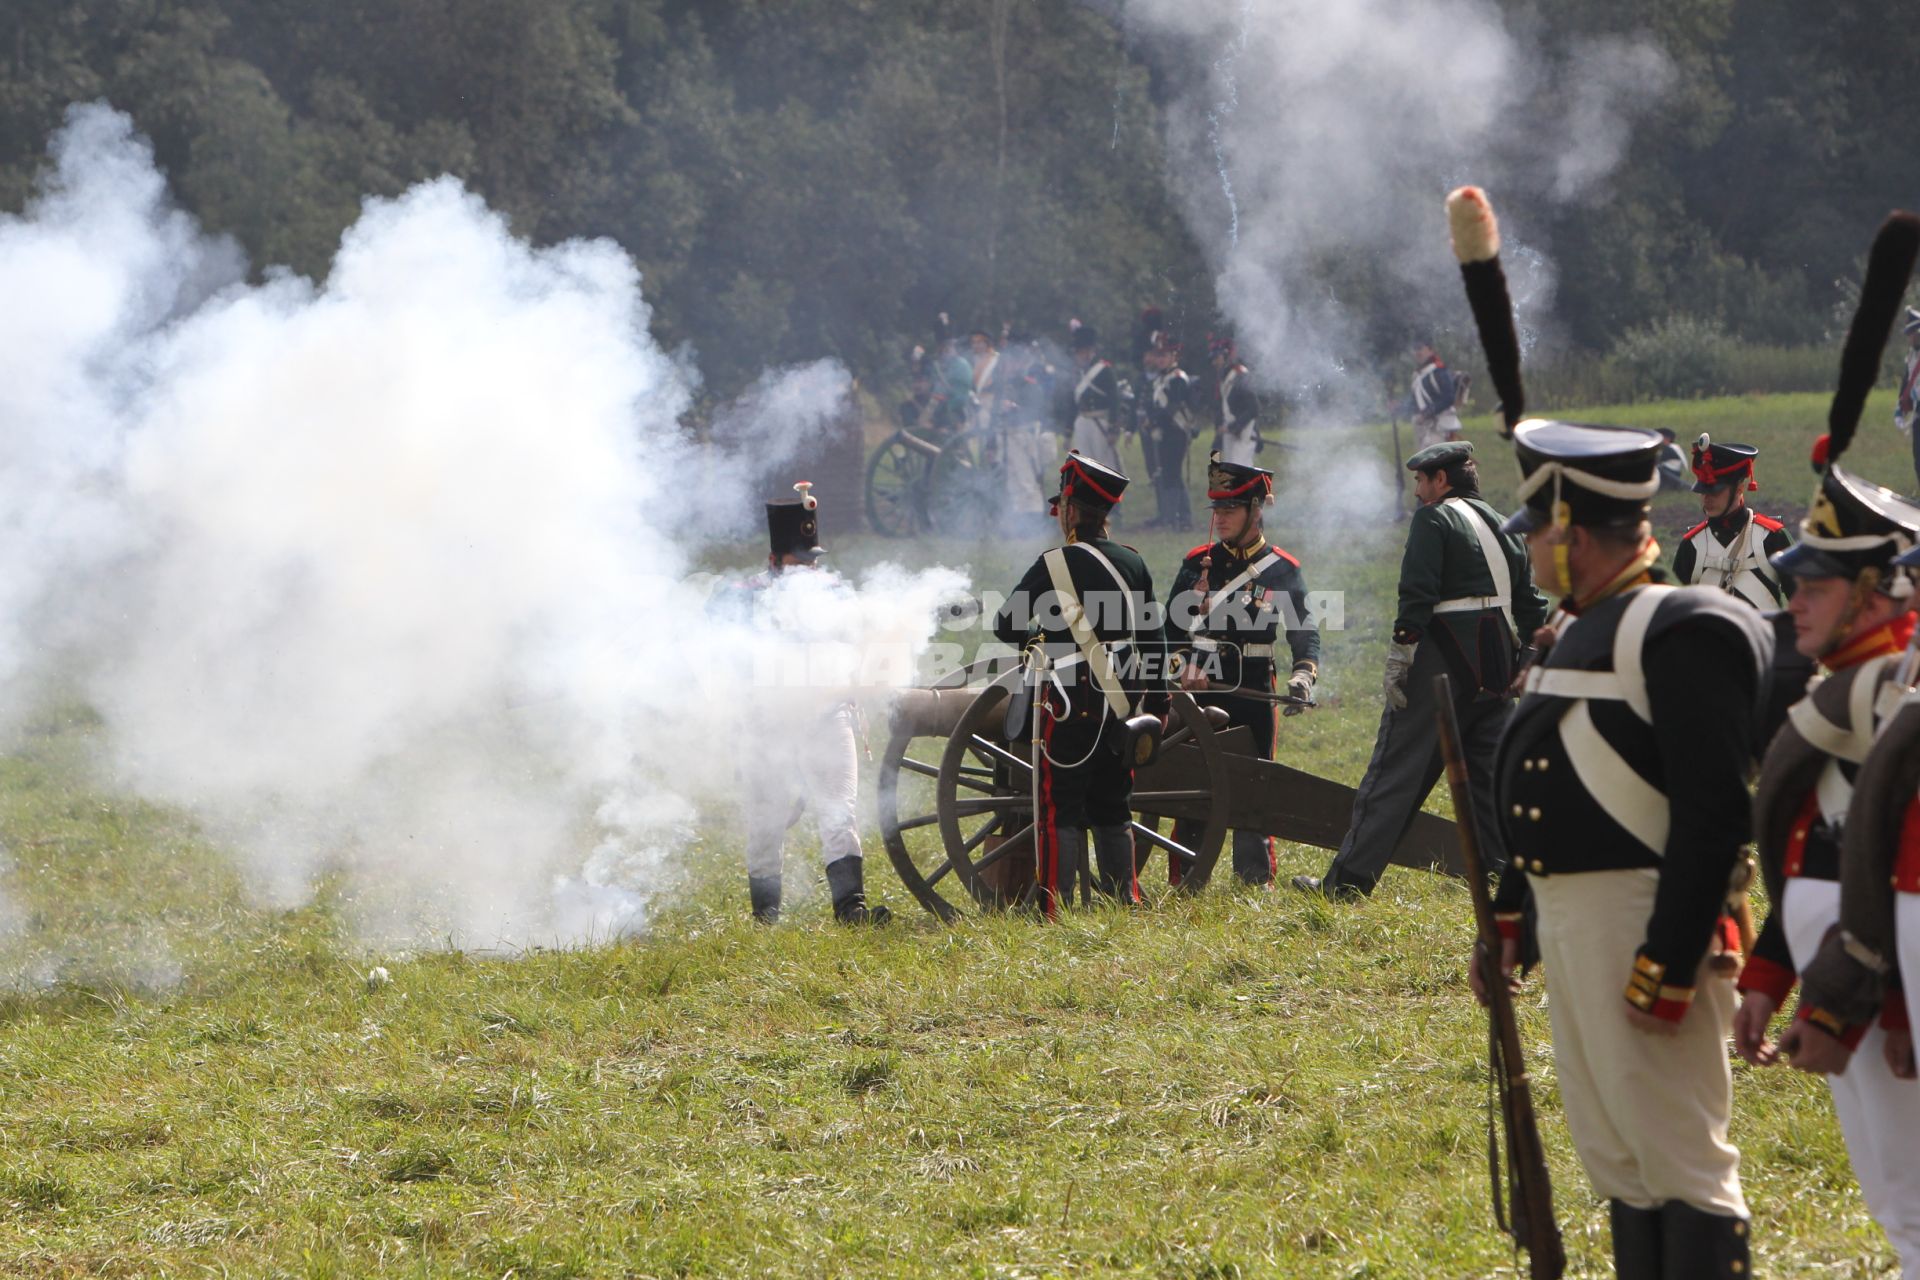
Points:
[[808, 177]]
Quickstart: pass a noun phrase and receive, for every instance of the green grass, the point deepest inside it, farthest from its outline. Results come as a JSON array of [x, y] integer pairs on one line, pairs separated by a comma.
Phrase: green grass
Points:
[[1241, 1085]]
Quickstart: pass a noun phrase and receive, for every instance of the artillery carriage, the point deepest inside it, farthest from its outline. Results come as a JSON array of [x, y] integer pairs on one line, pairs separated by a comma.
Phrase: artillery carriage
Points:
[[956, 804]]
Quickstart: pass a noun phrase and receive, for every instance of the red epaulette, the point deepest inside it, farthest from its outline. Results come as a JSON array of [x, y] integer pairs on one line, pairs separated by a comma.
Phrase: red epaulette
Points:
[[1689, 533], [1284, 555], [1767, 522], [1200, 550]]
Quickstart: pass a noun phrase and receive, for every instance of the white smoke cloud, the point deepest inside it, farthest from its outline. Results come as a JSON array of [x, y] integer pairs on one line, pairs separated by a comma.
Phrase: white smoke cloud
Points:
[[386, 575], [1312, 145]]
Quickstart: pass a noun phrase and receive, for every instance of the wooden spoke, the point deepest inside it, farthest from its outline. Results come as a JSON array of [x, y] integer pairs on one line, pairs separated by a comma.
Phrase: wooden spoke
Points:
[[994, 751], [924, 820], [1014, 844], [1161, 797], [978, 838], [972, 806], [1171, 846]]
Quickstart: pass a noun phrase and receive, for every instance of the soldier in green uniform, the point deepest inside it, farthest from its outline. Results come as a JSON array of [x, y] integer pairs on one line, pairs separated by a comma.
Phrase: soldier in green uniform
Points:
[[1467, 607], [1231, 602], [1086, 615]]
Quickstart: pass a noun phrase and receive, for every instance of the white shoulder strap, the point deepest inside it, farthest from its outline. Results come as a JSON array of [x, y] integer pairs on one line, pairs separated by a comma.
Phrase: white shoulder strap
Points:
[[1850, 741], [1628, 641], [1238, 581], [1098, 658], [1496, 557], [1086, 379], [1629, 799]]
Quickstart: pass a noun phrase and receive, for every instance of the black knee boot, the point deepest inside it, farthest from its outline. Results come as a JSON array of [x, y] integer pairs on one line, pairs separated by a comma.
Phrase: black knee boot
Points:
[[1252, 857], [1113, 856], [764, 893], [1709, 1246], [1636, 1242], [1069, 851], [846, 883]]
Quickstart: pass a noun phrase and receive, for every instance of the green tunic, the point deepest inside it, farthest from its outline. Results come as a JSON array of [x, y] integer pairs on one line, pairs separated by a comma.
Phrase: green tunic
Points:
[[1444, 561]]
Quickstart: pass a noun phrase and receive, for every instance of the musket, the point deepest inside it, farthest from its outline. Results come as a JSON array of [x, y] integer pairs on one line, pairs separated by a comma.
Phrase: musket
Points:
[[1527, 1214], [1399, 471]]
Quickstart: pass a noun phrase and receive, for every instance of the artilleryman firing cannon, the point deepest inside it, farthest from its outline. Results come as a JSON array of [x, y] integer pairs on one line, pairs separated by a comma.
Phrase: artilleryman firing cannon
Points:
[[971, 761]]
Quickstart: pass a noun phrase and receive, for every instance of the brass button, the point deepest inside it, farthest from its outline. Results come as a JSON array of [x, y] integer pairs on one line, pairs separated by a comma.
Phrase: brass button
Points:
[[1538, 866], [1527, 765], [1739, 1229], [1518, 810], [1534, 814], [1738, 1267], [1543, 764]]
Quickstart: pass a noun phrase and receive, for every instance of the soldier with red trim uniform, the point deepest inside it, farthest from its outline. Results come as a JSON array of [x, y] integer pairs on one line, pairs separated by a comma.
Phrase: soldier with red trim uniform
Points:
[[1086, 616], [1232, 601], [1621, 786], [1648, 692], [1733, 548], [1853, 611]]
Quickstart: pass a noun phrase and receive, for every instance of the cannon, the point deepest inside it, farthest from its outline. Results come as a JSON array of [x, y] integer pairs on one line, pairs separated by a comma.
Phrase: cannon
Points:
[[956, 808], [925, 481]]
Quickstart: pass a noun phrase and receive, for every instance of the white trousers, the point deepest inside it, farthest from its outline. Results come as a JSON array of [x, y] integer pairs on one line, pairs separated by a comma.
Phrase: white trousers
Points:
[[1648, 1113], [1028, 466], [1237, 447], [820, 776], [1434, 430], [1879, 1113], [1090, 438], [1906, 919]]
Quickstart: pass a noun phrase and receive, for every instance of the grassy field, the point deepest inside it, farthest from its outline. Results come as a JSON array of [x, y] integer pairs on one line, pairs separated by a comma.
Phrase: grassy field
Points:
[[1247, 1084]]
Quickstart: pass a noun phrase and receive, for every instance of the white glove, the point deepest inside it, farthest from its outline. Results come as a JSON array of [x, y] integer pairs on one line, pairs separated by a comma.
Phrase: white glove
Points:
[[1300, 688], [1399, 663]]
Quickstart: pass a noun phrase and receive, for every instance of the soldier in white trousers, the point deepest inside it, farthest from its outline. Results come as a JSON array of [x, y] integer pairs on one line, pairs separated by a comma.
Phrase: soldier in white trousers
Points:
[[801, 760], [1095, 406], [1237, 406]]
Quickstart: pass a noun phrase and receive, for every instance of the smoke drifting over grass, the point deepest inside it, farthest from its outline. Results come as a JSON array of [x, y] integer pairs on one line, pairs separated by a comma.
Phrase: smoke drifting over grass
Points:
[[1313, 144], [386, 575]]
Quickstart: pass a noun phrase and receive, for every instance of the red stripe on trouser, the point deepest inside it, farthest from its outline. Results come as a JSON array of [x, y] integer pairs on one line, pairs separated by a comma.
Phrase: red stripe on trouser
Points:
[[1046, 840], [1273, 753]]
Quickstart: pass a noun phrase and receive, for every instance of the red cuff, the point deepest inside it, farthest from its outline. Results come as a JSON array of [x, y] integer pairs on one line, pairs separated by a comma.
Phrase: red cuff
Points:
[[1893, 1011], [1850, 1036], [1508, 923], [1768, 978], [1646, 992]]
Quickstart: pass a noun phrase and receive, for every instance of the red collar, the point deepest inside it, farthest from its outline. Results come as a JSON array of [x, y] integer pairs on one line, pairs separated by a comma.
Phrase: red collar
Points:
[[1890, 637]]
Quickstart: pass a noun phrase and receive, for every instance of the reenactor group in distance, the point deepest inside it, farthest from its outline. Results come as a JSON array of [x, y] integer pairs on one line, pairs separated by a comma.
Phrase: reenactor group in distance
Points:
[[1013, 391], [1610, 740]]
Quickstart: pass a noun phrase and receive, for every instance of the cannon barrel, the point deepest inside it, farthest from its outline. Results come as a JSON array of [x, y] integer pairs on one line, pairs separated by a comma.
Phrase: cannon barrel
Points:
[[929, 713]]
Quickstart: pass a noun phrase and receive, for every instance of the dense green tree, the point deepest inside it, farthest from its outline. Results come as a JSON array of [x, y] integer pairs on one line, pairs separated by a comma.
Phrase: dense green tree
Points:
[[799, 177]]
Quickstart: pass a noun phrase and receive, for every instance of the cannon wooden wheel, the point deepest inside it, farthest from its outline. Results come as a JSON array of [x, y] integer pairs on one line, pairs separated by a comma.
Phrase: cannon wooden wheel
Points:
[[981, 786], [964, 488], [897, 484]]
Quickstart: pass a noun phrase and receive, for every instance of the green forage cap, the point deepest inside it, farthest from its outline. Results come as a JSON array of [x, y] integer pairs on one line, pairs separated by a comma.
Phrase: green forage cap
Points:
[[1436, 457]]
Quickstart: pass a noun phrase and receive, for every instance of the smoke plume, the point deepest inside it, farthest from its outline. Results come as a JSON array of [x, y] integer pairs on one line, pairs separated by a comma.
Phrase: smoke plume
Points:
[[1313, 144], [386, 576]]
